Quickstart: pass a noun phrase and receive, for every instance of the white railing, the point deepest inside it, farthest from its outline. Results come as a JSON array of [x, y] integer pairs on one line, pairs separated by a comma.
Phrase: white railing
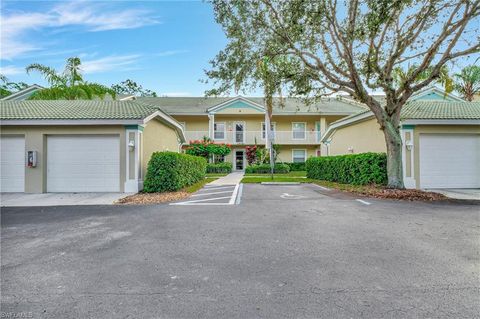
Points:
[[258, 137]]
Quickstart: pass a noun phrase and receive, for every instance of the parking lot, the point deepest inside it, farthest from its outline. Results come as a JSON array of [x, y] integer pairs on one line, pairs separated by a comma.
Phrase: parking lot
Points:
[[296, 251]]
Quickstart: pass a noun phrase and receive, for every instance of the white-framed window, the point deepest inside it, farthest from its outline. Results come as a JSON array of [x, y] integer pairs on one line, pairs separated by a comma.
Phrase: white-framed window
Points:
[[273, 127], [299, 130], [299, 156], [219, 130]]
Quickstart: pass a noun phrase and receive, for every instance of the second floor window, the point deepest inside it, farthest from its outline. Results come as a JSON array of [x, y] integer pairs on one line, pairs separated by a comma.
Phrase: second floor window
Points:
[[298, 130], [219, 131], [272, 127]]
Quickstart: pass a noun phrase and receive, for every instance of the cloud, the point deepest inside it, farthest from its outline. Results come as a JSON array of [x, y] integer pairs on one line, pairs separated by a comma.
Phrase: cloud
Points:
[[171, 52], [11, 70], [175, 94], [94, 17], [110, 63]]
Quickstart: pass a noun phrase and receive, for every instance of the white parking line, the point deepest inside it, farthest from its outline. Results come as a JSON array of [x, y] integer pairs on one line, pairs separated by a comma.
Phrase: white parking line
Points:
[[205, 194], [363, 202], [215, 188], [239, 195], [234, 195], [191, 202], [324, 188]]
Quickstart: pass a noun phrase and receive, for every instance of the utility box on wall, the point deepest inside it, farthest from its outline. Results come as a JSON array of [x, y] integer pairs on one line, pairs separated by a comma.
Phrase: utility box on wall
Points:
[[31, 158]]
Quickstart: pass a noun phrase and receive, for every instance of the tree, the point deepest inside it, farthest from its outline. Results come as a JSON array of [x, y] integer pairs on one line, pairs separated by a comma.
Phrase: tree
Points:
[[467, 82], [352, 47], [68, 85], [132, 88], [7, 87]]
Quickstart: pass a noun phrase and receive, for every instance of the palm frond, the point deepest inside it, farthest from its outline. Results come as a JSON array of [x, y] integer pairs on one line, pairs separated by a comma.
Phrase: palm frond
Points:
[[50, 74]]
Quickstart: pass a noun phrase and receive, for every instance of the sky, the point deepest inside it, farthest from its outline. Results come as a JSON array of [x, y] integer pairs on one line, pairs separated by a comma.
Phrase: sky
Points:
[[164, 46]]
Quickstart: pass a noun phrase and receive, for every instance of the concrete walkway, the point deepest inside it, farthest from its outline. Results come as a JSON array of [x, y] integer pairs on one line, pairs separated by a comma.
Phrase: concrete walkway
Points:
[[459, 193], [58, 199], [230, 179]]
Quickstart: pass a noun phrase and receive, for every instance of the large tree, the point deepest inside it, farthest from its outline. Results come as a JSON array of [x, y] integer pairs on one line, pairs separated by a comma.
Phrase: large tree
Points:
[[131, 87], [69, 84], [352, 47]]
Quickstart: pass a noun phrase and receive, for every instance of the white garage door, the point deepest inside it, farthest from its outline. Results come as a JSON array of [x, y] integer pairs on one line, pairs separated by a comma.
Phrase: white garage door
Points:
[[449, 161], [83, 163], [12, 154]]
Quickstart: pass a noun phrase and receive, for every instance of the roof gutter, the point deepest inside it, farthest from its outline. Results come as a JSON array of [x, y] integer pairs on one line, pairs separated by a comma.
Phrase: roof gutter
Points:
[[352, 120]]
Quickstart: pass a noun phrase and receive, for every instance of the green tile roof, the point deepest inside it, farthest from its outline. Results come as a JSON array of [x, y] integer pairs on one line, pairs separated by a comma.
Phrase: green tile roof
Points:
[[74, 110], [200, 105], [441, 110]]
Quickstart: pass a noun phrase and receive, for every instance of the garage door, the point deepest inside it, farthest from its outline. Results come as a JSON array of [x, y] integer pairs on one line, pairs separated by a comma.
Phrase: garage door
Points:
[[449, 161], [12, 154], [83, 163]]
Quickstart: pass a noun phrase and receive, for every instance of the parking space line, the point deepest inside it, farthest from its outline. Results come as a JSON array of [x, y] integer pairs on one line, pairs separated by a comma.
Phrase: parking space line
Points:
[[215, 188], [239, 195], [363, 202], [205, 194], [200, 200], [324, 188], [234, 195]]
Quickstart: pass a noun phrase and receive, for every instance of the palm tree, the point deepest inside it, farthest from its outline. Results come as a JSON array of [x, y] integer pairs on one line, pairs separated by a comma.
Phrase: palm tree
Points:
[[400, 75], [68, 85], [468, 82]]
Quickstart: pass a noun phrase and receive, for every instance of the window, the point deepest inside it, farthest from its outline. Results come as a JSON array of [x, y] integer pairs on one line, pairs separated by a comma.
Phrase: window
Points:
[[219, 131], [272, 127], [298, 130], [299, 156]]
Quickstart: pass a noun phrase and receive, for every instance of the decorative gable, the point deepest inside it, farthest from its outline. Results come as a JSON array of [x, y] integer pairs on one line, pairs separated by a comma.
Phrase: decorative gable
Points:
[[238, 105]]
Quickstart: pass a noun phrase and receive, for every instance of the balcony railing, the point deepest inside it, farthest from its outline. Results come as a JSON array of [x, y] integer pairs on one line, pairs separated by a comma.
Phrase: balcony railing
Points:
[[258, 137]]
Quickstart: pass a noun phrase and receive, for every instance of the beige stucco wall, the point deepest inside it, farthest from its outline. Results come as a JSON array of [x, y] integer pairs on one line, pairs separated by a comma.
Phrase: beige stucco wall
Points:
[[363, 137], [157, 137], [193, 123], [436, 129], [36, 140]]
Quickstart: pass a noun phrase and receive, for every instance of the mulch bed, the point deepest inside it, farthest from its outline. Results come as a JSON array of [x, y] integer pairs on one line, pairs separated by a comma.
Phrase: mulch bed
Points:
[[152, 198], [402, 194]]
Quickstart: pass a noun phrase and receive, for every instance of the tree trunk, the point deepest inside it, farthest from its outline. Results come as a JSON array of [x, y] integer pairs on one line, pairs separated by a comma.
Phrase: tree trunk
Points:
[[394, 155]]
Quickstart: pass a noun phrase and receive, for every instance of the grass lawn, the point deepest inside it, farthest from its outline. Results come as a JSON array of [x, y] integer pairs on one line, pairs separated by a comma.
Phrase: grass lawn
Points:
[[276, 178], [216, 174], [290, 174]]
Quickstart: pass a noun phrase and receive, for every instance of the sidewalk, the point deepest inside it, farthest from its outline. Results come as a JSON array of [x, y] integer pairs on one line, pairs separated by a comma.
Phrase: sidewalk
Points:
[[230, 179]]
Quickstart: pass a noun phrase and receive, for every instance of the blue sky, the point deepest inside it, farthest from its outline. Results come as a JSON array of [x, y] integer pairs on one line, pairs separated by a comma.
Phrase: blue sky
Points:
[[165, 46]]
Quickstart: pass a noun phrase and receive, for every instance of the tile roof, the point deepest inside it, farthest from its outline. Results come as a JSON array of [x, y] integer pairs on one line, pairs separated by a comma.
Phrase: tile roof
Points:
[[74, 110], [441, 110], [200, 105]]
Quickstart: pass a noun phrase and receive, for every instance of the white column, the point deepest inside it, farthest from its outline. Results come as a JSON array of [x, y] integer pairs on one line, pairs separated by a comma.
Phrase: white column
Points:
[[323, 129], [211, 125], [133, 180]]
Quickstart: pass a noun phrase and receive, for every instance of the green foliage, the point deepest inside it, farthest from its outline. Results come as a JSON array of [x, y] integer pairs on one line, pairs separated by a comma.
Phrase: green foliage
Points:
[[69, 84], [265, 168], [169, 171], [131, 87], [356, 169], [224, 167], [296, 167], [467, 82], [7, 87], [207, 148]]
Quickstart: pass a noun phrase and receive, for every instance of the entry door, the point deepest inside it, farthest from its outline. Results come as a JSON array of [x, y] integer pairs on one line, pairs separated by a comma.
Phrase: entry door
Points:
[[239, 160], [83, 163], [239, 133], [12, 154]]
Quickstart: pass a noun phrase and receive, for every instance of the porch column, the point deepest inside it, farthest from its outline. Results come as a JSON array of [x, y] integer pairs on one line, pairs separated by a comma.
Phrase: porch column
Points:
[[323, 129], [133, 171], [211, 125], [408, 149]]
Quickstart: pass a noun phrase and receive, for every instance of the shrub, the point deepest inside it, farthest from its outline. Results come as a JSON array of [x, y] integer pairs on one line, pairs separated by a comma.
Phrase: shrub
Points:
[[265, 168], [169, 171], [207, 148], [295, 167], [225, 167], [357, 169]]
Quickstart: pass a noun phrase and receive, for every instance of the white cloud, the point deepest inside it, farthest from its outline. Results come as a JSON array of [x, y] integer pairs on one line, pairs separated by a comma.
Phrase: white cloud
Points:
[[171, 52], [175, 94], [11, 70], [110, 63], [92, 16]]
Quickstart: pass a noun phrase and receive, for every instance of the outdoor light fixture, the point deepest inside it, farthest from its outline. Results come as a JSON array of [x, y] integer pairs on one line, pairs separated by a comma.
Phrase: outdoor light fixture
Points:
[[131, 145], [409, 145]]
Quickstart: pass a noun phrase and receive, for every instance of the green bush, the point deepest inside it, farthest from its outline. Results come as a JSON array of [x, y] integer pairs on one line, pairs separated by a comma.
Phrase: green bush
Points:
[[265, 168], [169, 171], [357, 169], [224, 167], [296, 167]]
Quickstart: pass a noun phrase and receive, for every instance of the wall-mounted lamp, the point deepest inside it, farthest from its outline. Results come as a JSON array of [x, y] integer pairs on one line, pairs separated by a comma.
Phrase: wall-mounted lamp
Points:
[[131, 145], [409, 145], [350, 149]]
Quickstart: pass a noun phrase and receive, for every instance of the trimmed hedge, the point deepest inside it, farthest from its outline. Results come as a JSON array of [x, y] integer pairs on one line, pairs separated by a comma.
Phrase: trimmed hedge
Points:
[[356, 169], [296, 167], [265, 168], [169, 171], [224, 167]]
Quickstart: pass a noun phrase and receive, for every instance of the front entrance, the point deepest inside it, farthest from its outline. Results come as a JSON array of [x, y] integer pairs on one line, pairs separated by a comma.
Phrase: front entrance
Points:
[[239, 160]]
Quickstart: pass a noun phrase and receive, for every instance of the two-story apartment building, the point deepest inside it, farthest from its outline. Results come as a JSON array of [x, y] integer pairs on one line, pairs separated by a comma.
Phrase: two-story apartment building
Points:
[[240, 121]]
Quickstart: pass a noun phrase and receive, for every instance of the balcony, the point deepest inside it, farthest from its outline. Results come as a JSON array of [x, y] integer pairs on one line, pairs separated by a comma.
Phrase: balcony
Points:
[[252, 137]]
